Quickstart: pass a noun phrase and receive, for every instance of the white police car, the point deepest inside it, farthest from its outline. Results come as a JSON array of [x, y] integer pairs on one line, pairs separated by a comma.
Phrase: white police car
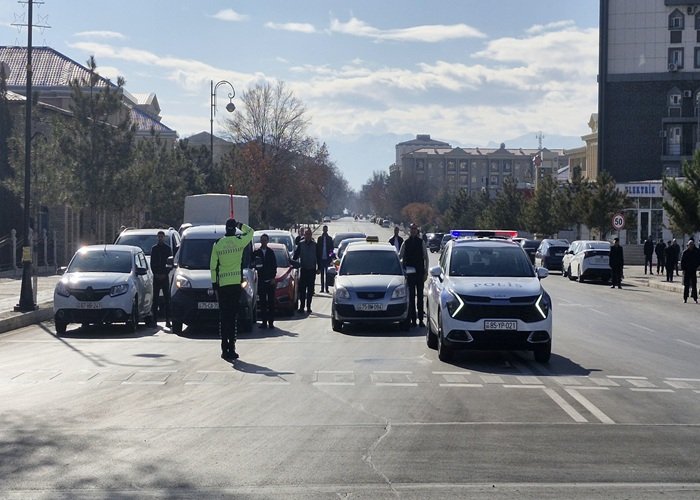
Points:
[[486, 295]]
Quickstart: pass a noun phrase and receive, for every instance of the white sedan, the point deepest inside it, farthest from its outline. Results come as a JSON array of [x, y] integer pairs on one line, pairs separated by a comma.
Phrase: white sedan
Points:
[[588, 260]]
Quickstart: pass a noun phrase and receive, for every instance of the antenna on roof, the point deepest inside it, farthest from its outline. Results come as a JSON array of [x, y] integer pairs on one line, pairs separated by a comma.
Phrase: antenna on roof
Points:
[[539, 136]]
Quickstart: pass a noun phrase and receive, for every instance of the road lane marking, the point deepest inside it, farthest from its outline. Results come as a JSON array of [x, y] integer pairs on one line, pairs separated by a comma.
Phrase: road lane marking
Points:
[[340, 377], [570, 410], [389, 372], [452, 373], [396, 384], [604, 382], [684, 379], [492, 379], [628, 377], [523, 386], [644, 389], [528, 380], [641, 327], [678, 384], [688, 343], [456, 384], [599, 312], [593, 409], [641, 383]]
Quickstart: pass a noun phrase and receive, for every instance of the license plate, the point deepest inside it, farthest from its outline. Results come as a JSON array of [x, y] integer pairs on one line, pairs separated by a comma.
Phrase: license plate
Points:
[[491, 324], [207, 305], [369, 307], [558, 254], [89, 305]]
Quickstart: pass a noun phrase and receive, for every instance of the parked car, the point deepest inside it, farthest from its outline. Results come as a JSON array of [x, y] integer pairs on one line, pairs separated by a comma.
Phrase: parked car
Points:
[[326, 219], [550, 254], [193, 300], [146, 238], [286, 280], [445, 238], [277, 236], [105, 284], [370, 287], [338, 237], [434, 240], [587, 260], [530, 247], [485, 294]]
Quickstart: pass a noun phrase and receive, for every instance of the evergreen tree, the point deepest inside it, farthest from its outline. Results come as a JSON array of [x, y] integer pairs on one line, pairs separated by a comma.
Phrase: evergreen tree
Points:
[[605, 201], [684, 208], [540, 212]]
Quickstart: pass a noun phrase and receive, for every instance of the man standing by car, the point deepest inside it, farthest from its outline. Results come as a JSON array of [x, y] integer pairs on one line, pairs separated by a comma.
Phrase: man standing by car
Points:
[[306, 254], [396, 241], [414, 257], [324, 252], [225, 267], [617, 262], [648, 254], [159, 265], [266, 266], [690, 260]]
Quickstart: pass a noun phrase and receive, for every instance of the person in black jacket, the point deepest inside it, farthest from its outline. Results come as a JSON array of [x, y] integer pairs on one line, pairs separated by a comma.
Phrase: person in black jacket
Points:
[[159, 265], [648, 254], [324, 253], [690, 260], [670, 259], [414, 257], [266, 266], [307, 257], [396, 241], [617, 262], [660, 249]]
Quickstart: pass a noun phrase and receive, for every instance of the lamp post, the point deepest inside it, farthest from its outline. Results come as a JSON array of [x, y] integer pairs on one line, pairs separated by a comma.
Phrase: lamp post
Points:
[[230, 107]]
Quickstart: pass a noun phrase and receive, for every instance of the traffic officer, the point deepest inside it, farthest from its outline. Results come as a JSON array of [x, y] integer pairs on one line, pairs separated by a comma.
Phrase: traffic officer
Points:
[[414, 257], [159, 265], [266, 266], [225, 267]]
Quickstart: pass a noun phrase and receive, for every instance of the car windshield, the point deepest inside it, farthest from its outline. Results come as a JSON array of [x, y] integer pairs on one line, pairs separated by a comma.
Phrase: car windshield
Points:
[[195, 253], [490, 261], [344, 244], [558, 249], [531, 244], [370, 262], [282, 257], [112, 261], [144, 241], [603, 245], [284, 239], [343, 236]]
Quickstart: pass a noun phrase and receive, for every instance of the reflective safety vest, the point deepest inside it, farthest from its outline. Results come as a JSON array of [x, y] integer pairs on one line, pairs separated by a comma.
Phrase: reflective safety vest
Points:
[[227, 255]]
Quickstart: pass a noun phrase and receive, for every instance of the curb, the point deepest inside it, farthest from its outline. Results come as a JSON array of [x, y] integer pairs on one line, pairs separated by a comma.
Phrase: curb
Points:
[[15, 320]]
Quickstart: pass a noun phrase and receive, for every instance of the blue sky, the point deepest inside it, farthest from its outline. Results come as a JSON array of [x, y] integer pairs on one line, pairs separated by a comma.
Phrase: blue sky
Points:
[[371, 73]]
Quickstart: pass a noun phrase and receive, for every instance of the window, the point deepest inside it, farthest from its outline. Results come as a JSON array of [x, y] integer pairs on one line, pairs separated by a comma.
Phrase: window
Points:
[[697, 21], [676, 20], [675, 58], [494, 180], [462, 165], [697, 56], [506, 165], [494, 166], [676, 36], [674, 100], [463, 180], [451, 165]]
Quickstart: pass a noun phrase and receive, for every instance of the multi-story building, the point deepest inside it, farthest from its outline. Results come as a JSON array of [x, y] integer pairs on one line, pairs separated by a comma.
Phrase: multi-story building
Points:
[[649, 87]]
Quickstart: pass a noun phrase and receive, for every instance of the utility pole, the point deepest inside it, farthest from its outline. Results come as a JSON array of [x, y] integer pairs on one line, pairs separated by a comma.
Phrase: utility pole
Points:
[[539, 136]]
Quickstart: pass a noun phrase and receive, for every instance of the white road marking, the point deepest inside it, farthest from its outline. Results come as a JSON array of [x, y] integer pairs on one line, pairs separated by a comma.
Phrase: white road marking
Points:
[[492, 379], [460, 385], [628, 377], [604, 382], [452, 373], [641, 327], [678, 384], [528, 380], [688, 343], [523, 386], [640, 389], [595, 411], [599, 312], [641, 383], [396, 384], [685, 379], [570, 410], [392, 372]]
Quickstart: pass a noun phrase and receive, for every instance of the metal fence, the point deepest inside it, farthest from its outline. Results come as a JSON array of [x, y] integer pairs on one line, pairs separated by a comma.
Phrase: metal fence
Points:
[[43, 253]]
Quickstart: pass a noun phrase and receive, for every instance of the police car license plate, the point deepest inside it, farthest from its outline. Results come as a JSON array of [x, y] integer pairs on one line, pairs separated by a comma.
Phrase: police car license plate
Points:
[[369, 307], [491, 324], [208, 305], [89, 305]]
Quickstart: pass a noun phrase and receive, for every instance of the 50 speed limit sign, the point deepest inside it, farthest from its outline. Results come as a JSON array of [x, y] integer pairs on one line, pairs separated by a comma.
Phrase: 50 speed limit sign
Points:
[[618, 221]]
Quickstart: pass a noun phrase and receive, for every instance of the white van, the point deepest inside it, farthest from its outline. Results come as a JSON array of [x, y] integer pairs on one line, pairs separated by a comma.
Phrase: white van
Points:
[[193, 300]]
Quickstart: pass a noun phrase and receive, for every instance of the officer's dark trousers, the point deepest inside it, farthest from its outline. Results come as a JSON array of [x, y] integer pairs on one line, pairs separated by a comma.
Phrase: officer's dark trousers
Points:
[[266, 297], [306, 287], [669, 272], [647, 262], [323, 265], [690, 285], [660, 265], [160, 282], [616, 276], [415, 295], [229, 299]]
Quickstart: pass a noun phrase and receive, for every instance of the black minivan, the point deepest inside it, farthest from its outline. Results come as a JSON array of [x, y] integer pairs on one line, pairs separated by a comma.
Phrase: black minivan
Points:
[[550, 254]]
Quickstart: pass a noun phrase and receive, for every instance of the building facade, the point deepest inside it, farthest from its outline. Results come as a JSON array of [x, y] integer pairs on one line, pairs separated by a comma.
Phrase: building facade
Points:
[[649, 87]]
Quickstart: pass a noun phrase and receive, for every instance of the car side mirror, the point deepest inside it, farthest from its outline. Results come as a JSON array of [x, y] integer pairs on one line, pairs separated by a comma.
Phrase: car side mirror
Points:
[[169, 262], [542, 272], [435, 272], [331, 271], [61, 270]]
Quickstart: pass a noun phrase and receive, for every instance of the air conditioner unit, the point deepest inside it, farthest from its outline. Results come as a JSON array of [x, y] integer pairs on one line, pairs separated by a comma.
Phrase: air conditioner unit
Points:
[[687, 93], [672, 67]]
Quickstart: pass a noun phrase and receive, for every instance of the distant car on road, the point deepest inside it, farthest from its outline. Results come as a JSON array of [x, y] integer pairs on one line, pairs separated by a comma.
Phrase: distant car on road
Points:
[[338, 237], [434, 240], [530, 247], [105, 284], [286, 280], [276, 236], [587, 260], [146, 238], [445, 239], [550, 254]]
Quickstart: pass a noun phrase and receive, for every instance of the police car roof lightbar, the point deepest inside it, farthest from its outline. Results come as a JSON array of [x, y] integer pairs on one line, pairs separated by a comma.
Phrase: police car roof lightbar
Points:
[[483, 233]]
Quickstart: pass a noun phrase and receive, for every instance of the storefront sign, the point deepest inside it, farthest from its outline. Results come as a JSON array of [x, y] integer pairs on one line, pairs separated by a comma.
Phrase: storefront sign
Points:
[[642, 190]]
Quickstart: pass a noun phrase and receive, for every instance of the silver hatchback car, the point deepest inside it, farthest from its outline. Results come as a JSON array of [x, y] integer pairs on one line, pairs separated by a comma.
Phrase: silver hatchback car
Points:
[[105, 284]]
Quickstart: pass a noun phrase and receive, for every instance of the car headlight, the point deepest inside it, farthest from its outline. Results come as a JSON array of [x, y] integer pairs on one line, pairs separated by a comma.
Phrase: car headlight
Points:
[[62, 289], [454, 304], [399, 292], [342, 293], [118, 289], [544, 305], [283, 283], [182, 282], [244, 284]]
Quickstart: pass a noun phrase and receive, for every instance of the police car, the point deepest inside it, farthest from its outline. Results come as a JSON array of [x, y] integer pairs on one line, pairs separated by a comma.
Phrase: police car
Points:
[[485, 294]]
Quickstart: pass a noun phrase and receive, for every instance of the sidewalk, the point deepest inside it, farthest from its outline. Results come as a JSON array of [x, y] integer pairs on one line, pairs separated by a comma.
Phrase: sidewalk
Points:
[[10, 290]]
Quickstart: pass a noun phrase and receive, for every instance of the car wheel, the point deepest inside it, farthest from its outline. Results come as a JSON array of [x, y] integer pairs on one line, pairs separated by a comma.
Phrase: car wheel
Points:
[[61, 327], [543, 352], [568, 273], [430, 337], [580, 276], [151, 321], [336, 325], [564, 273], [132, 323], [176, 327], [444, 352]]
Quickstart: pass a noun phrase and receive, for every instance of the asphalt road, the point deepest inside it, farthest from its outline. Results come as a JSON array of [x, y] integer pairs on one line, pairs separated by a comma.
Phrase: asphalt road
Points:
[[368, 413]]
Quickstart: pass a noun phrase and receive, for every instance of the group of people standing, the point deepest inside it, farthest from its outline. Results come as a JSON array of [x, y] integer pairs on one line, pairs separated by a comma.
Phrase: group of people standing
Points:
[[667, 257]]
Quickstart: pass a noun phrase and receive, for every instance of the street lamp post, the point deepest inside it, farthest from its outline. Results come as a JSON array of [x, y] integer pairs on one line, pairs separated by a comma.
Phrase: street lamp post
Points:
[[230, 107]]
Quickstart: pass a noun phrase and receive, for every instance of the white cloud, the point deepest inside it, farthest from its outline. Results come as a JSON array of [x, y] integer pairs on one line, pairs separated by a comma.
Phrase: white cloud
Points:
[[101, 34], [425, 33], [109, 72], [296, 27], [229, 15], [557, 25]]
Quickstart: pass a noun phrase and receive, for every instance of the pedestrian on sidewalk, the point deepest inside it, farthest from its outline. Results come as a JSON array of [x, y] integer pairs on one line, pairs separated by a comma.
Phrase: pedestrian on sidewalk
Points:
[[670, 259], [324, 250], [690, 260], [305, 254], [677, 250], [648, 254], [617, 262], [659, 251]]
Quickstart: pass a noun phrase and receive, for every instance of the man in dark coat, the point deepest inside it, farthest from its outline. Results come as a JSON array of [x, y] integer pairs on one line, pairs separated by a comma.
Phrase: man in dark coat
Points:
[[617, 262], [670, 259], [266, 266], [690, 260], [648, 254], [324, 253], [414, 257], [159, 265], [677, 249], [396, 241], [306, 255], [660, 250]]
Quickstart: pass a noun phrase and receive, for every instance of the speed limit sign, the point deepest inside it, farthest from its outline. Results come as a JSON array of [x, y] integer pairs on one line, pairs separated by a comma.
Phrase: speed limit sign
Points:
[[618, 221]]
